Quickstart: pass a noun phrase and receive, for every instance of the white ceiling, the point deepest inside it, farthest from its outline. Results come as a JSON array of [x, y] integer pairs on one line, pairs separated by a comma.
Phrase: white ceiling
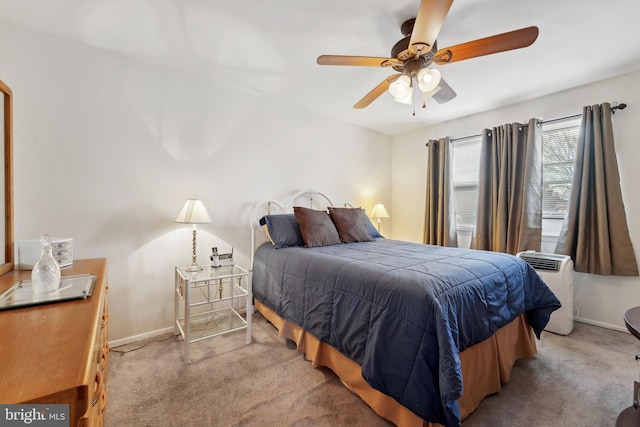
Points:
[[270, 47]]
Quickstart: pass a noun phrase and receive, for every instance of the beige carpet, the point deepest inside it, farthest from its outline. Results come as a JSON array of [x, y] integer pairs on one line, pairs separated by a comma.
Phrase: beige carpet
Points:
[[584, 379]]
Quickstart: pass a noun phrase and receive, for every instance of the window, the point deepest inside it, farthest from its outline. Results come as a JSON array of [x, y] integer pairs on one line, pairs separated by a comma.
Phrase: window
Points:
[[466, 166], [559, 141]]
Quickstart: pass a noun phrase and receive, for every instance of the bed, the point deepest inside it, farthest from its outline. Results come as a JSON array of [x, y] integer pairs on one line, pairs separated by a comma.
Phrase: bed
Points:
[[421, 333]]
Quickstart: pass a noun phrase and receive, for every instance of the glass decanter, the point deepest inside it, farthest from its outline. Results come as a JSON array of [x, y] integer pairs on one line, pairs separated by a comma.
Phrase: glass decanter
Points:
[[45, 276]]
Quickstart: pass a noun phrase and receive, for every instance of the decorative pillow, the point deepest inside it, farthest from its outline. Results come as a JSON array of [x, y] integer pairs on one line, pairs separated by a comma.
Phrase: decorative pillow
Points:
[[372, 228], [316, 227], [351, 225], [282, 230]]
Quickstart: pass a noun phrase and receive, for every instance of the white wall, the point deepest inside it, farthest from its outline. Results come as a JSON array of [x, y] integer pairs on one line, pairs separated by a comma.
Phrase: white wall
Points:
[[601, 300], [108, 149]]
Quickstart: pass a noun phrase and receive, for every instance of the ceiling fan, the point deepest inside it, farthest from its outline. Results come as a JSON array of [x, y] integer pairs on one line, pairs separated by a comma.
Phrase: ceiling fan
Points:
[[412, 56]]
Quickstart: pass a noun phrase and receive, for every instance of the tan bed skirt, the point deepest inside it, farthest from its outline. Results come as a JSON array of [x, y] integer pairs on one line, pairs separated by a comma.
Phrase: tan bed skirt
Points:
[[484, 366]]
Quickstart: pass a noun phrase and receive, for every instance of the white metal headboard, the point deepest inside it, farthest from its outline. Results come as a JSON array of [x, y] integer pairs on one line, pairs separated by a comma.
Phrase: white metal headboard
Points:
[[310, 194], [304, 198]]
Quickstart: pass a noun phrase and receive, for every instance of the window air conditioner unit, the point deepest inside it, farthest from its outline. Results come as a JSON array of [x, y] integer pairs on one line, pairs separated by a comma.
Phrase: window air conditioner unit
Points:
[[557, 273]]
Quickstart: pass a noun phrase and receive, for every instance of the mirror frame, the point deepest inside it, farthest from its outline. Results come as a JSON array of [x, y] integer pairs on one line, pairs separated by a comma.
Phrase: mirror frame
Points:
[[8, 178]]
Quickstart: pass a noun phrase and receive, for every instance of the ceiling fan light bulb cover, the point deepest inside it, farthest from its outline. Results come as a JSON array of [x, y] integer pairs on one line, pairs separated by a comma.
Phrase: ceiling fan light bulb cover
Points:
[[401, 87], [428, 79], [406, 100]]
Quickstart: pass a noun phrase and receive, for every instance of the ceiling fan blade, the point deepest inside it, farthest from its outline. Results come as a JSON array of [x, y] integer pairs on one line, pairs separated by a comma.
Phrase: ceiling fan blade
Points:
[[499, 43], [376, 92], [445, 93], [429, 20], [365, 61]]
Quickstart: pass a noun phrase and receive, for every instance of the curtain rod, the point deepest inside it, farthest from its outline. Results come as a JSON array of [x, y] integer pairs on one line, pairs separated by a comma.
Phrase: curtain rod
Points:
[[615, 107]]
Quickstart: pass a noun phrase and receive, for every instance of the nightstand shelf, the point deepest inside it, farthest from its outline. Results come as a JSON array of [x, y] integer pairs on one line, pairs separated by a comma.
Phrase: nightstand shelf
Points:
[[211, 302]]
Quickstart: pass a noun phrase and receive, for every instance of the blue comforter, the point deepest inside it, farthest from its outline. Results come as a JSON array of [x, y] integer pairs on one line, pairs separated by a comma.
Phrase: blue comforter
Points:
[[403, 311]]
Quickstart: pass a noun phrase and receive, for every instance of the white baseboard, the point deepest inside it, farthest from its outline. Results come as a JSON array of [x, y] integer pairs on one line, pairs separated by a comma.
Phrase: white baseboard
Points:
[[146, 335], [140, 337], [601, 324], [134, 338]]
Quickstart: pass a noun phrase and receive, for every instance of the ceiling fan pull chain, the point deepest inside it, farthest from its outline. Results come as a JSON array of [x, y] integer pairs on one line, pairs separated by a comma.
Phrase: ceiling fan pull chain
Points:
[[415, 99]]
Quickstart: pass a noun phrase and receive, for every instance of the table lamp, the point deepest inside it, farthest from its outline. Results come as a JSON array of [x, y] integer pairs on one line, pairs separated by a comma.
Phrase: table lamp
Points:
[[193, 212], [379, 212]]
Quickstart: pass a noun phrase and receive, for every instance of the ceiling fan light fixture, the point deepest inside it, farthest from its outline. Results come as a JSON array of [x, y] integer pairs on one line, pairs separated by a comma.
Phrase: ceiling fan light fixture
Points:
[[407, 99], [401, 88], [428, 79]]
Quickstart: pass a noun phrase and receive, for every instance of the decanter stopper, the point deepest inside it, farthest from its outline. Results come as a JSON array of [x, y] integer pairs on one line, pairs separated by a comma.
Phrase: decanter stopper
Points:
[[45, 276]]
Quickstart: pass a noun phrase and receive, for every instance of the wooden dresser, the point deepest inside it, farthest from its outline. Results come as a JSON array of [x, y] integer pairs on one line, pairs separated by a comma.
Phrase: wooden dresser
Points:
[[57, 353]]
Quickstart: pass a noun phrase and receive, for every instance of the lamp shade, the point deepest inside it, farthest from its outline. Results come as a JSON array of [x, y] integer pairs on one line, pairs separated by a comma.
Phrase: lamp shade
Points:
[[401, 88], [428, 79], [406, 100], [193, 212], [379, 211]]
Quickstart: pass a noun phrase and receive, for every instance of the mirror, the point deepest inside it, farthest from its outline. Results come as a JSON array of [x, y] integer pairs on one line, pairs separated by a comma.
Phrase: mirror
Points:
[[6, 181]]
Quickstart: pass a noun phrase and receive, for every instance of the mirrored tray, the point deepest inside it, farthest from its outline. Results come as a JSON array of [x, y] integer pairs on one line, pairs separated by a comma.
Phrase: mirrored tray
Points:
[[71, 287]]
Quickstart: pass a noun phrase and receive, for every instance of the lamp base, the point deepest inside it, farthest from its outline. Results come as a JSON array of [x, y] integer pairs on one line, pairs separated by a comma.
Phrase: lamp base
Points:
[[193, 268]]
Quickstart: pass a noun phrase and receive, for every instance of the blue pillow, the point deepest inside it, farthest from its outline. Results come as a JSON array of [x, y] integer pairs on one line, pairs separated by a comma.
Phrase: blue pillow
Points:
[[282, 230], [372, 228]]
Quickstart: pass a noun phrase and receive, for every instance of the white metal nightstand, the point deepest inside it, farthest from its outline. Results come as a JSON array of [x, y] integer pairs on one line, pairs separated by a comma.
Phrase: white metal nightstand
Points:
[[209, 302]]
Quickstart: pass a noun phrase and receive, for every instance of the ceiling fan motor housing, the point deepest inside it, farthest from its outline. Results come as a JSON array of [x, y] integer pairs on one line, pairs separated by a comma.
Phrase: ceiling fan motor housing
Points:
[[401, 50], [407, 27]]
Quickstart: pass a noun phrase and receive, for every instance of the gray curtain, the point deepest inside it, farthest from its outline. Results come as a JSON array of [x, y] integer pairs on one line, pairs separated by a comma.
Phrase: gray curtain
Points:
[[440, 217], [510, 189], [594, 231]]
